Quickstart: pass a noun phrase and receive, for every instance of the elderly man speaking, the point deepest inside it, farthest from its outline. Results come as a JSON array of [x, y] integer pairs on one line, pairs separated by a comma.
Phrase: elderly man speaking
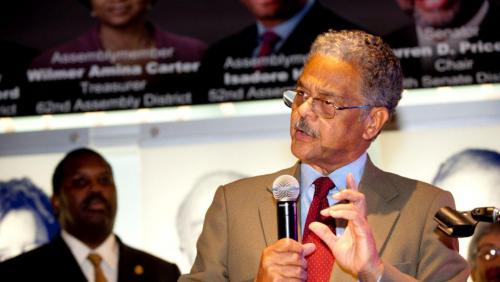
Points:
[[357, 222]]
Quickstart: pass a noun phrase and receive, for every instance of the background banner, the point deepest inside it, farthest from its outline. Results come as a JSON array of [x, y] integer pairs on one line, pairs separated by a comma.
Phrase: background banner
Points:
[[165, 189], [72, 57]]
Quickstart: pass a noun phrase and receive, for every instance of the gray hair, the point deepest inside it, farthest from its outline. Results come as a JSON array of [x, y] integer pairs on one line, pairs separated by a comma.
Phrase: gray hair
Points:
[[482, 229], [380, 68]]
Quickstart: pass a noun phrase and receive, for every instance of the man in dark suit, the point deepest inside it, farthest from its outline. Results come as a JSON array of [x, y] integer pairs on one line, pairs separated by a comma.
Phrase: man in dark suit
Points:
[[84, 199], [350, 85], [263, 58]]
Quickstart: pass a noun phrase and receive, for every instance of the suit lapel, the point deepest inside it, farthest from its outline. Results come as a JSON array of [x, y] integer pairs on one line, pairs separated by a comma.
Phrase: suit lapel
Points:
[[130, 267], [124, 263], [381, 215], [267, 213], [379, 192], [245, 43], [68, 267], [267, 208]]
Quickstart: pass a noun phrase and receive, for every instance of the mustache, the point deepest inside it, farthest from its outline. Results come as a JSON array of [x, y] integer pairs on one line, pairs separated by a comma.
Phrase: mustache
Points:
[[303, 126], [95, 197]]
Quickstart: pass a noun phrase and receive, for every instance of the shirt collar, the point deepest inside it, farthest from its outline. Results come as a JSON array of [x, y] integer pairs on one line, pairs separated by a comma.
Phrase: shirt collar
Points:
[[284, 29], [309, 174], [108, 250]]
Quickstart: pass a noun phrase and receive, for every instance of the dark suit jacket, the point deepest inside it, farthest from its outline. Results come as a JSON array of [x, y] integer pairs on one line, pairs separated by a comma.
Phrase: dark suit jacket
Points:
[[241, 222], [242, 44], [55, 262]]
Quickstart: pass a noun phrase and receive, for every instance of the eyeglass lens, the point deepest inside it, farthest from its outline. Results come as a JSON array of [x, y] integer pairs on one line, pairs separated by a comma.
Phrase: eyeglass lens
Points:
[[488, 253], [320, 106]]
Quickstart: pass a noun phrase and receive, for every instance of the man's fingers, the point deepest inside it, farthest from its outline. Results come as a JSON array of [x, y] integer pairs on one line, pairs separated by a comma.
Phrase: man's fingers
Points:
[[309, 248], [324, 233], [351, 184], [293, 272], [348, 214], [349, 195], [290, 259], [290, 273], [284, 259], [287, 245]]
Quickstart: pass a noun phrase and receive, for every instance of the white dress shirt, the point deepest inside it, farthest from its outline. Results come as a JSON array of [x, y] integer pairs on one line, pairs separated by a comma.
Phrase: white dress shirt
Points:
[[309, 175], [108, 251]]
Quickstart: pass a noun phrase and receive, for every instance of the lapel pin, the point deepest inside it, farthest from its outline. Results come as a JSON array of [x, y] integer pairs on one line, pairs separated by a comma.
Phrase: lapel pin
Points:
[[138, 269]]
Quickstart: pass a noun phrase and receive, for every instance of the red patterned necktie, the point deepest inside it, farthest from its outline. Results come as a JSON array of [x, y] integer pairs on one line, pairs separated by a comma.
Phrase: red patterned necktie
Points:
[[269, 40], [320, 262]]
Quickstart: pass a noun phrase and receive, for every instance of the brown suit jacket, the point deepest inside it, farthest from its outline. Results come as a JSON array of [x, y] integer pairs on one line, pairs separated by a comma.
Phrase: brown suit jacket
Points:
[[242, 221]]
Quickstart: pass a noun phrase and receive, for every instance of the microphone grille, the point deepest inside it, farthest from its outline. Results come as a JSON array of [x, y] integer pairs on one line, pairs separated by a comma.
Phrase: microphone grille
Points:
[[286, 188]]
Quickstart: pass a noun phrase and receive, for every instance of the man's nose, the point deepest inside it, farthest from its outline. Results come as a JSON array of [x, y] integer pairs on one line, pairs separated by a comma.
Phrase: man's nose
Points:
[[96, 186], [307, 107]]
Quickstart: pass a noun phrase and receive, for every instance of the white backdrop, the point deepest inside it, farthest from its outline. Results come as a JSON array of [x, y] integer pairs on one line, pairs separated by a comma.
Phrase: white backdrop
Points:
[[153, 180]]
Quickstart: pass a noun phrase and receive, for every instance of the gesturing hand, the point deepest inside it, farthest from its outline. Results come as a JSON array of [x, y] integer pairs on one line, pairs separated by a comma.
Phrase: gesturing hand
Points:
[[355, 250], [284, 261]]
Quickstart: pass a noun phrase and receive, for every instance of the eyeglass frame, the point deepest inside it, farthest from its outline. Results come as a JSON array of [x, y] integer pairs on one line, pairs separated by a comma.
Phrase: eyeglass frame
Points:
[[488, 248], [290, 95]]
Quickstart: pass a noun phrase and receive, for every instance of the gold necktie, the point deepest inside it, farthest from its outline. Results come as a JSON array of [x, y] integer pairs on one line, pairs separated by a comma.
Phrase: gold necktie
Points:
[[96, 259]]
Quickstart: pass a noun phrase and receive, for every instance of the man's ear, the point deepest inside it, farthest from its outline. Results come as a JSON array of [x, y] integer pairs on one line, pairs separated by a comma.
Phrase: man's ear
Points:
[[375, 121], [56, 204]]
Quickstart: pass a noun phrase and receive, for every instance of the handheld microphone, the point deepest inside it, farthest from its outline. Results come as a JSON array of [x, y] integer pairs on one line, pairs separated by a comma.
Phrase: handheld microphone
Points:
[[286, 190]]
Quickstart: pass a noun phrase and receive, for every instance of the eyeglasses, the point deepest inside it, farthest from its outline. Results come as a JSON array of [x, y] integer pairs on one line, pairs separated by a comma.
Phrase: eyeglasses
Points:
[[488, 253], [322, 107]]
